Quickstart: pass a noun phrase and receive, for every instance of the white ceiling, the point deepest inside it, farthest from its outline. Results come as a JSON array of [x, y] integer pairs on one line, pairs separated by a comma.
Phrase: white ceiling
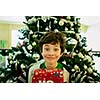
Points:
[[87, 20]]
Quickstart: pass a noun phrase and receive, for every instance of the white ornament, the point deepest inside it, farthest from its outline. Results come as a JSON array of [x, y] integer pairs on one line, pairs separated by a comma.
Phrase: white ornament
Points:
[[2, 75], [90, 70], [44, 18], [65, 51], [68, 17], [72, 41], [93, 67], [33, 19], [34, 43], [34, 36], [22, 66], [61, 22], [29, 47], [73, 54], [56, 30], [30, 51], [36, 56], [88, 58], [76, 67], [55, 21], [10, 56], [72, 70], [71, 23], [85, 67], [90, 53], [30, 21], [11, 62], [66, 29], [95, 74], [64, 62], [31, 32], [78, 36], [80, 55], [26, 40], [46, 28]]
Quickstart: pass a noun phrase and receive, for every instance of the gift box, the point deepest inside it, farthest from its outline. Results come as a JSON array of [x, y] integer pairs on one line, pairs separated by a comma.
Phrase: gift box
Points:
[[48, 76]]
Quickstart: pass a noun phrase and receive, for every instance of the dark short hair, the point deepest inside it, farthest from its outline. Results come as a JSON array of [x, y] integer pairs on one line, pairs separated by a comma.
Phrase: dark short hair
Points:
[[53, 38]]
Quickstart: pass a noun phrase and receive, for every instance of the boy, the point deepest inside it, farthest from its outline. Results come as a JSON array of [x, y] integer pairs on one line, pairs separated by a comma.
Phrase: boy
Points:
[[52, 46]]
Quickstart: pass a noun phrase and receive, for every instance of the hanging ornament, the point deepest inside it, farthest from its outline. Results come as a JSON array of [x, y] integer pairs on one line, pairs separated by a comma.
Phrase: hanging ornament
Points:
[[31, 32], [65, 51], [72, 41], [88, 58], [77, 36], [2, 75], [36, 56], [29, 47], [33, 19], [26, 40], [56, 30], [44, 18], [64, 62], [72, 29], [29, 21], [90, 71], [95, 74], [90, 53], [34, 36], [47, 29], [61, 22], [11, 62], [73, 54], [68, 17], [66, 29], [22, 66], [71, 23], [30, 51], [80, 55], [10, 56], [55, 21], [76, 67], [72, 70], [34, 43], [93, 67], [85, 67]]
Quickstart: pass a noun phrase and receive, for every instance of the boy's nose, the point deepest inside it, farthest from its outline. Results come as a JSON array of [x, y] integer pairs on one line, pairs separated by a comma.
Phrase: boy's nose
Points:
[[51, 52]]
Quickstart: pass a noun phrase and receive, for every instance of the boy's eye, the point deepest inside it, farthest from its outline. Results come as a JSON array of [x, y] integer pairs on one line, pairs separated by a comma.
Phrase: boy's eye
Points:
[[46, 49], [56, 49]]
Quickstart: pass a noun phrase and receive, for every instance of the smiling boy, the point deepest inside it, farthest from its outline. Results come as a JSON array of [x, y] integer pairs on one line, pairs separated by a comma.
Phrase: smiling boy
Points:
[[52, 46]]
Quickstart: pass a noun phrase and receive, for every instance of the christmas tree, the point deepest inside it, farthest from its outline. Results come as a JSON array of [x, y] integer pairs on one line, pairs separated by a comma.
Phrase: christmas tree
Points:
[[76, 58]]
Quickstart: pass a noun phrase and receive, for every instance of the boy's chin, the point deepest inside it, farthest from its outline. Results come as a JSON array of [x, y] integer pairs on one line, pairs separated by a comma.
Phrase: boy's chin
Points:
[[51, 62]]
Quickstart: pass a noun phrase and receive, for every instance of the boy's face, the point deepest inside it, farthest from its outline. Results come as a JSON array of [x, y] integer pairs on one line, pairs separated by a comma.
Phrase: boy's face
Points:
[[51, 52]]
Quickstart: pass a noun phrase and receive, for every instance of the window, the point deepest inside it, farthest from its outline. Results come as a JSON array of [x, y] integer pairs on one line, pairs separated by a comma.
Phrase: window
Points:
[[15, 38]]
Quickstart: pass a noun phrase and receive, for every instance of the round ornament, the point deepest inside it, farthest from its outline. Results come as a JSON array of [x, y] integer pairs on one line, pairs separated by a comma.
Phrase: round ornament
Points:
[[61, 22], [36, 56], [29, 47]]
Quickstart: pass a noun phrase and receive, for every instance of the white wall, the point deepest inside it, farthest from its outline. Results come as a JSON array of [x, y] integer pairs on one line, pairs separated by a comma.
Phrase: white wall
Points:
[[93, 41]]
